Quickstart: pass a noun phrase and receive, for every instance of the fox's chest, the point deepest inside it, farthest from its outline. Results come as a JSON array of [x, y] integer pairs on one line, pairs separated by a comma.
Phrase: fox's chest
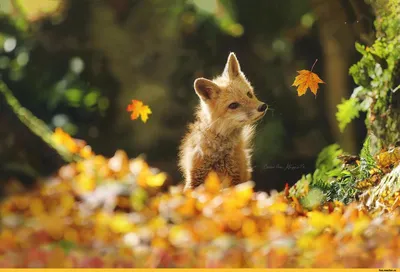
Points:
[[219, 147], [223, 166], [218, 150], [220, 154]]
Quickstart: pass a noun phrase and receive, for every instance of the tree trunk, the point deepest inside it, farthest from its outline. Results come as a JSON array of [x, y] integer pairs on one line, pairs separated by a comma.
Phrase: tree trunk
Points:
[[337, 41], [383, 120]]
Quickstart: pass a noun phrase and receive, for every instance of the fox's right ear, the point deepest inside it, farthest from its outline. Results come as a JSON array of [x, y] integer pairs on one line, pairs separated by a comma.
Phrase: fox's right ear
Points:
[[206, 89], [232, 66]]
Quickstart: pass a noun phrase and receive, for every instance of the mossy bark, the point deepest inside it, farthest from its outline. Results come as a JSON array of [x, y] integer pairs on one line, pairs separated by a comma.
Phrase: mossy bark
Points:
[[378, 74]]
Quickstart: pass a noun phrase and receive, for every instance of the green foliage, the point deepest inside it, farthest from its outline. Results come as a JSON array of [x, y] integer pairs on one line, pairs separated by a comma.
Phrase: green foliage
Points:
[[313, 199], [333, 178], [300, 189], [328, 168], [347, 111], [377, 75], [367, 161], [344, 188], [66, 245], [327, 159], [223, 13]]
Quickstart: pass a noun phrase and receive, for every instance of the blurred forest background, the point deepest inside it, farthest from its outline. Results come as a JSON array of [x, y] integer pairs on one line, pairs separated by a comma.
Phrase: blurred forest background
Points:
[[77, 64]]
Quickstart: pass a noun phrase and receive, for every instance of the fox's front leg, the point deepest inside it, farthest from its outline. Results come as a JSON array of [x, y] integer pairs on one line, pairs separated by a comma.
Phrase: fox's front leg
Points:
[[201, 167]]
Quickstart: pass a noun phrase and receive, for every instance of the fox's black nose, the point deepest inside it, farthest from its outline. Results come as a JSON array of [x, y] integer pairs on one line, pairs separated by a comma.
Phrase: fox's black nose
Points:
[[262, 108]]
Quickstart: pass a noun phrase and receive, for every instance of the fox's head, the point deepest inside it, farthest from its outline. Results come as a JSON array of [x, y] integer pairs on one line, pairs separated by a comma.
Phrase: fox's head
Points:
[[229, 101]]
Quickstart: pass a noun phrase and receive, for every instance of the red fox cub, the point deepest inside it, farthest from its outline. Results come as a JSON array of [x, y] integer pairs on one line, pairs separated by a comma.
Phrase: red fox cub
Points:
[[220, 138]]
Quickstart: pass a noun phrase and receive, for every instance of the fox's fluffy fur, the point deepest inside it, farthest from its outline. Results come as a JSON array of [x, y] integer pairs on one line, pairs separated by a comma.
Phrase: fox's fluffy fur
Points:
[[220, 138]]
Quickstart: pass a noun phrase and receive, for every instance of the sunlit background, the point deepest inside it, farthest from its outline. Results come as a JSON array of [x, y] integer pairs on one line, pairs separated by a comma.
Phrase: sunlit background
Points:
[[78, 64]]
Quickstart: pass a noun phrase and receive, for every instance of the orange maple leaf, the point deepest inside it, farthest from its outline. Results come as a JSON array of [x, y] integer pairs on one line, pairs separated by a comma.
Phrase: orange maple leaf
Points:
[[307, 79], [139, 109]]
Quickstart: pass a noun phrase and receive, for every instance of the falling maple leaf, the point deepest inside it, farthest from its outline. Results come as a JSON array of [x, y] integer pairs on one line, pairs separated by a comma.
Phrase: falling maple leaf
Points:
[[307, 79], [139, 109]]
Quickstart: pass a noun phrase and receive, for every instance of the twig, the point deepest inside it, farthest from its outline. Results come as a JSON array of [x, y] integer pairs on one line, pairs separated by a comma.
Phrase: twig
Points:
[[36, 125]]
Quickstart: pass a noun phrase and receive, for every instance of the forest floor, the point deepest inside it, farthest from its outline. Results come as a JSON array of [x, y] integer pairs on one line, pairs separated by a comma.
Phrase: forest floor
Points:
[[119, 212]]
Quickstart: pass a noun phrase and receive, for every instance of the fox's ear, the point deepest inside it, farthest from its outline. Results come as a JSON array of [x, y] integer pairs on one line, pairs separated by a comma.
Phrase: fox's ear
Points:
[[232, 67], [206, 89]]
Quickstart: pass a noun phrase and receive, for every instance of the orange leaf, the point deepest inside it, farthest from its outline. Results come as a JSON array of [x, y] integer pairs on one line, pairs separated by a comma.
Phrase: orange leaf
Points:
[[139, 109], [307, 79]]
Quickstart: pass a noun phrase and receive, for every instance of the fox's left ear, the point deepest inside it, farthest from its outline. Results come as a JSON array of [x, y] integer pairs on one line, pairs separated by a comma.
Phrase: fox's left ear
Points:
[[232, 67]]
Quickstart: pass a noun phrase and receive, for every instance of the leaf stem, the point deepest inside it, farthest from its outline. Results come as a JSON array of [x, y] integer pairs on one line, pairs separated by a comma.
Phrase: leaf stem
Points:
[[314, 64]]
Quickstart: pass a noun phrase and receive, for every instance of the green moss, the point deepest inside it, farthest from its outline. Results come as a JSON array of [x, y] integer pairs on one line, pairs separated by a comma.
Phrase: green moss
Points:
[[377, 75]]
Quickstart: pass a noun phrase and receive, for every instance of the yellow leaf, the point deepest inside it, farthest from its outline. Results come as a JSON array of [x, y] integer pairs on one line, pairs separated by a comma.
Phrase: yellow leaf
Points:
[[37, 207], [54, 225], [203, 223], [318, 220], [279, 221], [179, 236], [139, 109], [85, 183], [121, 224], [360, 225], [307, 79], [244, 193], [188, 208], [103, 219], [388, 158], [278, 207], [159, 242], [62, 138], [234, 220], [306, 242], [86, 152], [249, 227], [156, 180], [212, 183], [144, 113], [56, 258], [157, 223], [67, 203], [71, 235], [58, 136]]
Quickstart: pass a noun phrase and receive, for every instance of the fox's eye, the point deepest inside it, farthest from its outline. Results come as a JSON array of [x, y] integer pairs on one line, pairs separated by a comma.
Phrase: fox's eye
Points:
[[249, 95], [233, 105]]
